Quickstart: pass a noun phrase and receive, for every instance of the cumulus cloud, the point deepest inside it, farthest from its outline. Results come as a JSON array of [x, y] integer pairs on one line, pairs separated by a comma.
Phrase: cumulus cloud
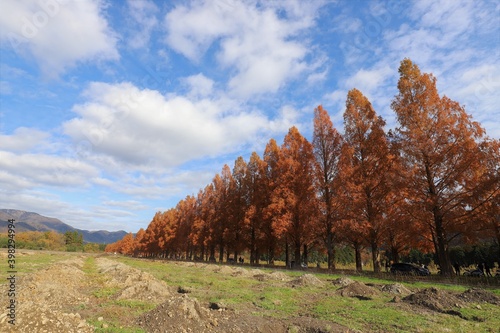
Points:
[[199, 85], [34, 170], [369, 80], [57, 33], [23, 139], [143, 127], [255, 40]]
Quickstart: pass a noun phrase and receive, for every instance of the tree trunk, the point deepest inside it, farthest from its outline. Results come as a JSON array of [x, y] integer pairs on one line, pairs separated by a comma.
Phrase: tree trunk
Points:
[[497, 233], [212, 253], [376, 258], [271, 254], [305, 254], [394, 254], [442, 248], [330, 251], [297, 253], [252, 247], [357, 252], [221, 251], [287, 255]]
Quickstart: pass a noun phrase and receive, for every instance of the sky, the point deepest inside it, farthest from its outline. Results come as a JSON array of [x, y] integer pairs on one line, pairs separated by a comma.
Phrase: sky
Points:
[[113, 110]]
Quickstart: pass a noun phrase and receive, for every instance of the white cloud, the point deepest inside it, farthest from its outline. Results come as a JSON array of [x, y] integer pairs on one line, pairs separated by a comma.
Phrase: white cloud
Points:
[[127, 204], [254, 40], [145, 128], [369, 80], [199, 85], [144, 21], [451, 17], [44, 170], [57, 33], [23, 139]]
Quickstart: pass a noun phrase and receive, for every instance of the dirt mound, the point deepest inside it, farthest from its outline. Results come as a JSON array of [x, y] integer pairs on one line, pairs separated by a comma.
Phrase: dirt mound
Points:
[[358, 290], [274, 276], [343, 281], [184, 314], [435, 299], [396, 288], [256, 271], [278, 276], [180, 311], [44, 297], [45, 319], [307, 280], [46, 284], [133, 283], [226, 270], [238, 271], [476, 295]]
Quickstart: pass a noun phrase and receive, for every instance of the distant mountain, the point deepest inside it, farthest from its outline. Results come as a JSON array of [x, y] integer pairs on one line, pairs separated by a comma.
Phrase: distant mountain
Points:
[[29, 221]]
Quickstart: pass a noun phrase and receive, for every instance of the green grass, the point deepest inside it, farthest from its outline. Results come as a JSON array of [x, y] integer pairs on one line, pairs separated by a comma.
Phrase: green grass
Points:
[[118, 315], [28, 261], [278, 300], [275, 299]]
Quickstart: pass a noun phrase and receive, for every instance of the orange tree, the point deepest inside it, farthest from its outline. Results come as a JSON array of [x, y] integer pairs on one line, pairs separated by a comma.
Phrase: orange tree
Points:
[[370, 163], [327, 145], [439, 148]]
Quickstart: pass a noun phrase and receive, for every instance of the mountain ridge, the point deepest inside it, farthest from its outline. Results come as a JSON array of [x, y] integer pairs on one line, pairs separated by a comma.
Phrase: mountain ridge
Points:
[[31, 221]]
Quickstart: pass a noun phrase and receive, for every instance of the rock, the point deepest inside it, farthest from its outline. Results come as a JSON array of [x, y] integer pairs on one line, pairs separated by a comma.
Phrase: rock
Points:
[[217, 306]]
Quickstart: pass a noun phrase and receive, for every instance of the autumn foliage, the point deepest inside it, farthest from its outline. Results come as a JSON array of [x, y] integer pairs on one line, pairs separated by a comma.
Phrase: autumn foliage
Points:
[[431, 182]]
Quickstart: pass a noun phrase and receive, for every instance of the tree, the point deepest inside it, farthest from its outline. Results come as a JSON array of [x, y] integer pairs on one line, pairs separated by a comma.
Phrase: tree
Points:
[[270, 174], [294, 198], [219, 221], [253, 225], [200, 235], [327, 145], [439, 148], [185, 216], [138, 242], [238, 194], [370, 164], [488, 213], [127, 244], [73, 241]]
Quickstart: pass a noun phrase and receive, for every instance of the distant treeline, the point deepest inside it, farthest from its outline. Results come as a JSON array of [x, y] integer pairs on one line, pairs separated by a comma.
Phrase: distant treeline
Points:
[[70, 241]]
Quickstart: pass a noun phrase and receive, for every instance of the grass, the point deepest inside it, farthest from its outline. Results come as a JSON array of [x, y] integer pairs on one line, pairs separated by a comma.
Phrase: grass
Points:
[[117, 315], [28, 261], [272, 299]]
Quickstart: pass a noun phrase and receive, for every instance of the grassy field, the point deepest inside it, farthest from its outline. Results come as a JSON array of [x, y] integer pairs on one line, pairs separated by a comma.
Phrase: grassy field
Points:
[[272, 299], [275, 299]]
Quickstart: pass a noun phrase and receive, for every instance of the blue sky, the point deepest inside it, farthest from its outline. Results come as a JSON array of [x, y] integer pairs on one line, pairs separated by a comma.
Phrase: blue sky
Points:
[[113, 110]]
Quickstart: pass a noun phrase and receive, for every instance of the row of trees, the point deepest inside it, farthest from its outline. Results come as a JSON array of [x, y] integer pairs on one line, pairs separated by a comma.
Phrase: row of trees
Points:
[[432, 181]]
